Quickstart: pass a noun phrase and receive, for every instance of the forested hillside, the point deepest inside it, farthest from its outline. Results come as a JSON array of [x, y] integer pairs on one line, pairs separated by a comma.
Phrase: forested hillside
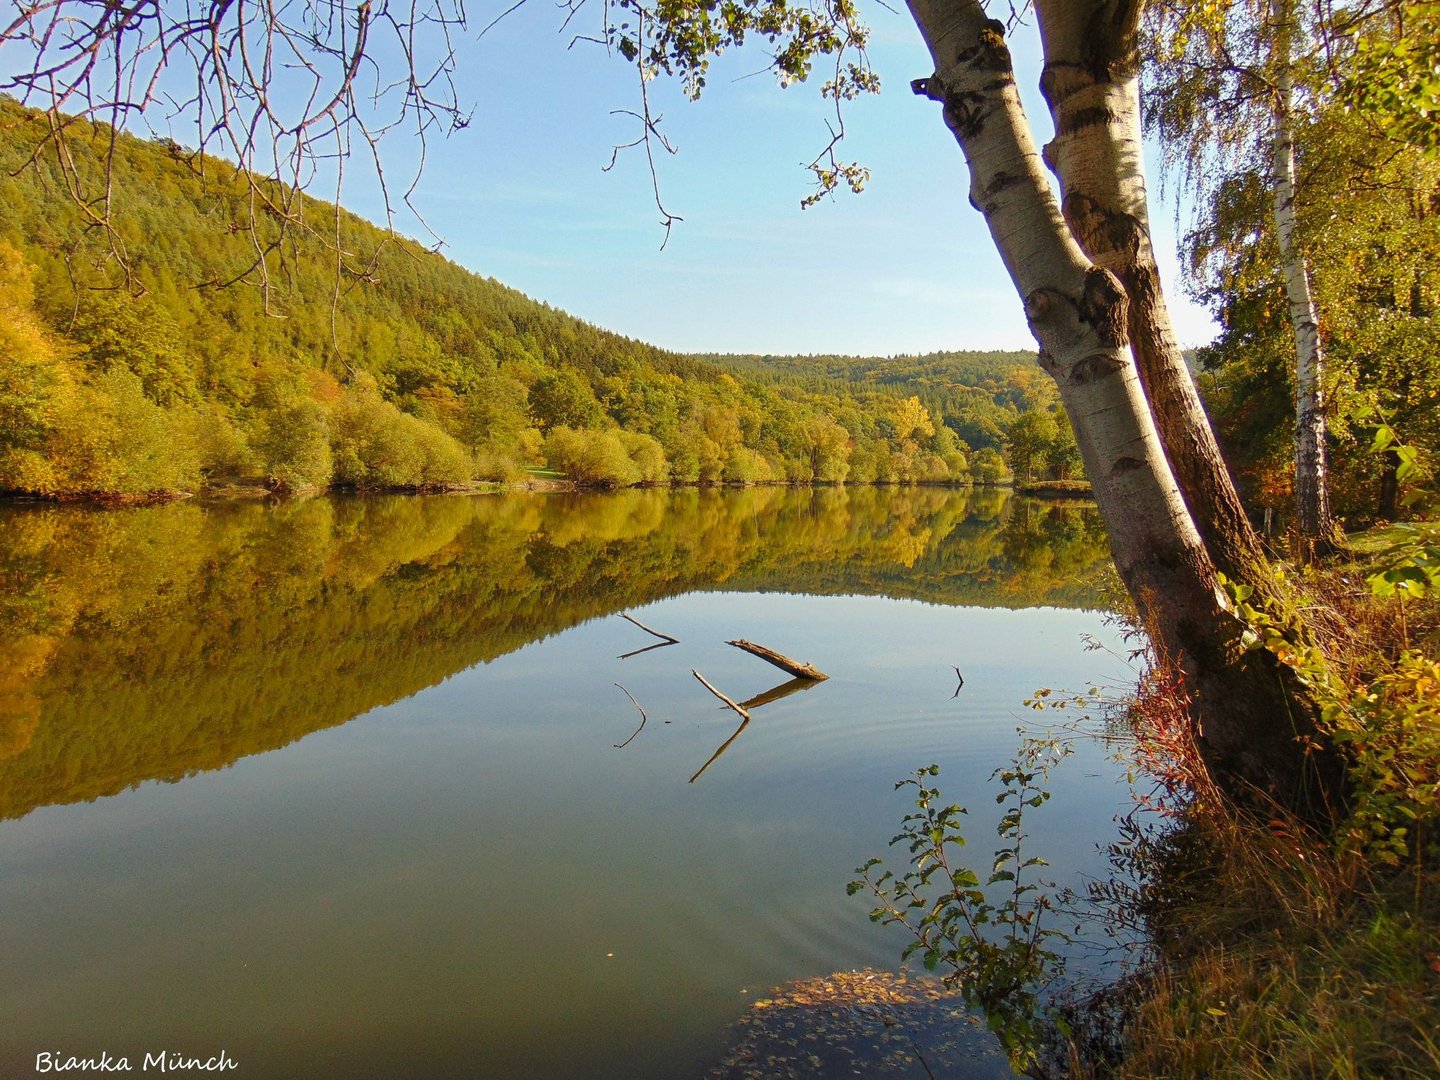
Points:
[[401, 370], [999, 403]]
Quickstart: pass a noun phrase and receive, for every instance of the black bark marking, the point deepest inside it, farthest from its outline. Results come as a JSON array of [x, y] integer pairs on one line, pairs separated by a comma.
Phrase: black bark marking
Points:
[[1079, 119], [1102, 230], [1126, 464], [1042, 304], [989, 53], [1111, 42], [965, 113], [1103, 306], [1000, 182], [1094, 367]]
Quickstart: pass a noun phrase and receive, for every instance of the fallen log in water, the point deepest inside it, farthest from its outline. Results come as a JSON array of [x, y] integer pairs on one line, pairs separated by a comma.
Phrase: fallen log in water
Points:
[[780, 660]]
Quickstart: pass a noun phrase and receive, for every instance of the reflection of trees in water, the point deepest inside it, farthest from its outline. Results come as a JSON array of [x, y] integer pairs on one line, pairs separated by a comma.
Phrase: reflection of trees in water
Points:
[[154, 642], [1046, 542]]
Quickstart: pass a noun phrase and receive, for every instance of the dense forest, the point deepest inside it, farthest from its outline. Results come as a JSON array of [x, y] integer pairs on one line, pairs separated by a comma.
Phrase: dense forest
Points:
[[1000, 404], [185, 348]]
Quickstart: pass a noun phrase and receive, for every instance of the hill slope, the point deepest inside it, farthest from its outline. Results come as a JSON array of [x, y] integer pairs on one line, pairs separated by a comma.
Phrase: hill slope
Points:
[[419, 373]]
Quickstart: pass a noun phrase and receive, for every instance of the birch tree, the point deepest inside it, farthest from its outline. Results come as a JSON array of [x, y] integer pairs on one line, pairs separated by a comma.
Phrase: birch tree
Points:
[[1225, 99], [1254, 724], [1091, 82], [1312, 503]]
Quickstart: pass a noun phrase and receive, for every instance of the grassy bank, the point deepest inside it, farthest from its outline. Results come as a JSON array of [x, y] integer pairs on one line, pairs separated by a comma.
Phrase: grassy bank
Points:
[[1282, 951]]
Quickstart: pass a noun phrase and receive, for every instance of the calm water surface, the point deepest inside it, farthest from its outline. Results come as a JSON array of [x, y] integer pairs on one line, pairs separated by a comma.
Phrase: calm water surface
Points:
[[334, 786]]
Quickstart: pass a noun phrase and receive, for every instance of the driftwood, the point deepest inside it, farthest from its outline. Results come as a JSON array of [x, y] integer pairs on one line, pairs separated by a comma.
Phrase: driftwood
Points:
[[665, 639], [961, 686], [653, 633], [775, 693], [643, 717], [780, 660], [744, 723]]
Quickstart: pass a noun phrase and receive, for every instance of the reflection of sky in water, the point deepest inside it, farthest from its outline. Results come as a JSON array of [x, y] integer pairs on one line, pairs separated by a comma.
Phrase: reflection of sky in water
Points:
[[475, 882]]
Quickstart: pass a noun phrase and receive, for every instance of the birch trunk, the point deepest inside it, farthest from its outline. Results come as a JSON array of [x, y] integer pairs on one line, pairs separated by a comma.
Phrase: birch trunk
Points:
[[1091, 84], [1312, 505], [1250, 721]]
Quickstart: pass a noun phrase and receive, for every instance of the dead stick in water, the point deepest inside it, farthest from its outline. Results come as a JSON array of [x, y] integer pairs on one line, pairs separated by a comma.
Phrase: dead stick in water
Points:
[[652, 633], [643, 718], [706, 683], [780, 660]]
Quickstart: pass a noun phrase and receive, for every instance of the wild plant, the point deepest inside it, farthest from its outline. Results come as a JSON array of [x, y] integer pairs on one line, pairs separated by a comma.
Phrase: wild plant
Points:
[[995, 941]]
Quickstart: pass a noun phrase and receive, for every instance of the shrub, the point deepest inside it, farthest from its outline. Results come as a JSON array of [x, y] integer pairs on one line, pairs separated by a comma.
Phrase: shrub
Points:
[[590, 457], [647, 455], [293, 442], [109, 438]]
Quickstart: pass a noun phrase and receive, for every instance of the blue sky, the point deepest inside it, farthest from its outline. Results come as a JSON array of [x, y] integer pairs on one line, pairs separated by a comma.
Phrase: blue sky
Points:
[[906, 267]]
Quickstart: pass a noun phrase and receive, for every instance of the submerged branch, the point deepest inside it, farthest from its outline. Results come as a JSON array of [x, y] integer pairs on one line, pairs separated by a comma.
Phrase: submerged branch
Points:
[[706, 683]]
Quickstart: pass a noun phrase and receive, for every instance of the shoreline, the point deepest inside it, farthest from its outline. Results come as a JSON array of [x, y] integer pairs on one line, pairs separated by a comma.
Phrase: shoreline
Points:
[[237, 492]]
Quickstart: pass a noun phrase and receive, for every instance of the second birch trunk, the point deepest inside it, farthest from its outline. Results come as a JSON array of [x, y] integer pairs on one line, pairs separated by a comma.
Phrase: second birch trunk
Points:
[[1312, 504]]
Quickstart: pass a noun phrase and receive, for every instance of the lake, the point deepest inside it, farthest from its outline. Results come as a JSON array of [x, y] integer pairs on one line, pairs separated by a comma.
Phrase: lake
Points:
[[346, 787]]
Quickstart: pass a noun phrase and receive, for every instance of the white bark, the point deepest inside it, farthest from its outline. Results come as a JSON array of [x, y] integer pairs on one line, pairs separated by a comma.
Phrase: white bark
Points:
[[1091, 84], [1248, 717], [1312, 508], [1075, 310]]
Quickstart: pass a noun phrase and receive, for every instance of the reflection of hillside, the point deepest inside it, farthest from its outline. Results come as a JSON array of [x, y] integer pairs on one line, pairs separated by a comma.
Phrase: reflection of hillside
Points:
[[156, 642]]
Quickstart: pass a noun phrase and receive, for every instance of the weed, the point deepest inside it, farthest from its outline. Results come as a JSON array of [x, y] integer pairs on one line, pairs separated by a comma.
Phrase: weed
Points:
[[997, 952]]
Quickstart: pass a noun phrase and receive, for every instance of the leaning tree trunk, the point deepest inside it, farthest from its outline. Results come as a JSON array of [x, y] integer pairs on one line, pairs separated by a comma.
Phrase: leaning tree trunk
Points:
[[1312, 504], [1253, 725], [1091, 84]]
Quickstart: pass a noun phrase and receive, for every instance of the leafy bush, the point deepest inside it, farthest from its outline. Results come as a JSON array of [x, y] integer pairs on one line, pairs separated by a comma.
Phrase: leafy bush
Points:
[[591, 457], [997, 952], [293, 442], [108, 437], [374, 444], [648, 456]]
